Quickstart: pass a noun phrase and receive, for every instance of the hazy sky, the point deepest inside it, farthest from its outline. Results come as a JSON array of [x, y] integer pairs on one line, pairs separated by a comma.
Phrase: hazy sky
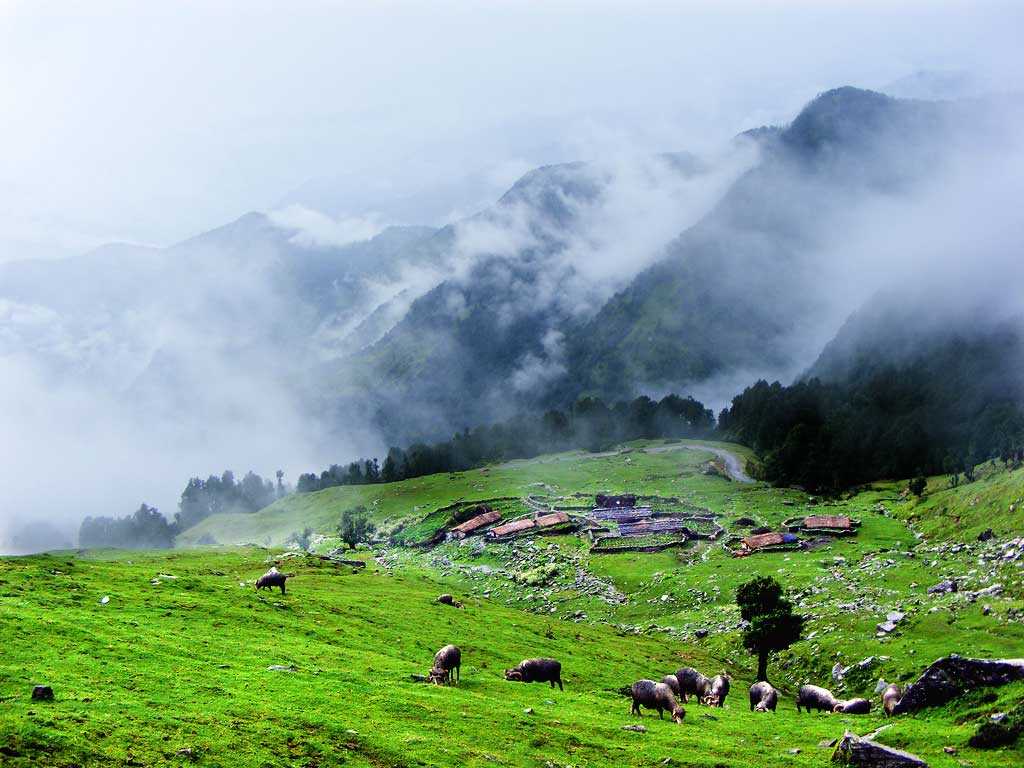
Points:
[[149, 122]]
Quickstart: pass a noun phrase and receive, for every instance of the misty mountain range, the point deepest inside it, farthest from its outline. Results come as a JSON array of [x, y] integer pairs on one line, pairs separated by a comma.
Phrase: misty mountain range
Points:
[[617, 277], [744, 292]]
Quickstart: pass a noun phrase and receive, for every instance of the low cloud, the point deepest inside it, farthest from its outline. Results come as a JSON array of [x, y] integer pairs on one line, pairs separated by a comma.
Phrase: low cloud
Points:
[[186, 364], [313, 229]]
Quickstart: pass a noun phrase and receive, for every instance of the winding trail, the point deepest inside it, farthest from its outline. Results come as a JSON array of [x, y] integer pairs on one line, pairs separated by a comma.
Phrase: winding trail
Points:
[[733, 465]]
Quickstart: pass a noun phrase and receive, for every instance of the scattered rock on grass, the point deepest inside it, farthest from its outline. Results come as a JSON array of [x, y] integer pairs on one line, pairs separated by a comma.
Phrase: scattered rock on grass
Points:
[[864, 753], [993, 591], [637, 728], [943, 587]]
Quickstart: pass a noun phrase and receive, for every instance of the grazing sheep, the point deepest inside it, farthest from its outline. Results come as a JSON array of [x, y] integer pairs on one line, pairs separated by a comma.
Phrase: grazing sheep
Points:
[[763, 697], [718, 689], [447, 659], [447, 599], [854, 707], [672, 682], [890, 698], [692, 682], [273, 578], [814, 697], [652, 695], [537, 671]]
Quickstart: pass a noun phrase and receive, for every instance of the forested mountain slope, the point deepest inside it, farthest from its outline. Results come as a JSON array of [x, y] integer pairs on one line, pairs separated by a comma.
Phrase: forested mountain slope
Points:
[[748, 290]]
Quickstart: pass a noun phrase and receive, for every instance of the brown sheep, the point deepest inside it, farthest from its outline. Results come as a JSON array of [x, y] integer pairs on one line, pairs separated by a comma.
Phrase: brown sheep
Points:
[[692, 682], [652, 695], [890, 698], [445, 660], [718, 689], [537, 671], [854, 707], [447, 599], [814, 697], [763, 697], [273, 578]]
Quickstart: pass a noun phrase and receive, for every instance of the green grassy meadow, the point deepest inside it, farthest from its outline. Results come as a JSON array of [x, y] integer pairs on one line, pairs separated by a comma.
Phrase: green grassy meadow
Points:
[[176, 672]]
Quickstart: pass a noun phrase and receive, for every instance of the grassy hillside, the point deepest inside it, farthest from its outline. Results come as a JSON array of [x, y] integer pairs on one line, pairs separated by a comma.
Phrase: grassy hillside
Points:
[[668, 472], [994, 500], [177, 673], [173, 669]]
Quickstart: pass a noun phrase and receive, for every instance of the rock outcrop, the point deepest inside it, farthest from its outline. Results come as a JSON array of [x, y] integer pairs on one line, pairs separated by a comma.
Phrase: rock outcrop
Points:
[[865, 753], [952, 676]]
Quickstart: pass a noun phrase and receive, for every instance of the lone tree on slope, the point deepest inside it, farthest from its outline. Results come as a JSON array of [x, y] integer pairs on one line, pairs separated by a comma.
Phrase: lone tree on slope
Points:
[[302, 540], [918, 486], [772, 625], [355, 526]]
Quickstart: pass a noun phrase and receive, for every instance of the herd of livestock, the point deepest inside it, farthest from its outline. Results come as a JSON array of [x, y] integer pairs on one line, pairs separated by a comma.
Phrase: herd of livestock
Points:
[[661, 696], [665, 696]]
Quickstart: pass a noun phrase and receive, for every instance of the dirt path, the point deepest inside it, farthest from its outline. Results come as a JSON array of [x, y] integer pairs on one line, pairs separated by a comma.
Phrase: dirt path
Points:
[[733, 465]]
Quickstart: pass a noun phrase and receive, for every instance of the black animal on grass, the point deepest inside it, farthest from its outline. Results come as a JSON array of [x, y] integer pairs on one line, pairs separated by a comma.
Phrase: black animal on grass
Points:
[[718, 689], [537, 671], [692, 683], [815, 697], [447, 660], [273, 578], [763, 697], [651, 695], [854, 707], [672, 682], [890, 698]]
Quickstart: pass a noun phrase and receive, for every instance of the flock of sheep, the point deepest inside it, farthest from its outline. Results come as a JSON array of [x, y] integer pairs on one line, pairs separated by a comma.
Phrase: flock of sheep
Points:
[[664, 696]]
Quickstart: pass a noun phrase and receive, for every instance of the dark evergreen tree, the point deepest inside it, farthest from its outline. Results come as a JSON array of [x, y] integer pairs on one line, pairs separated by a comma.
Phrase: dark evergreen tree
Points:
[[355, 526], [145, 529], [918, 485], [771, 623]]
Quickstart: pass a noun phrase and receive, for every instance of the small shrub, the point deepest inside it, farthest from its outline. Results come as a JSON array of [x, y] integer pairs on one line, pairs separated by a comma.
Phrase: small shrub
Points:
[[991, 735], [994, 735], [536, 577], [355, 527]]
